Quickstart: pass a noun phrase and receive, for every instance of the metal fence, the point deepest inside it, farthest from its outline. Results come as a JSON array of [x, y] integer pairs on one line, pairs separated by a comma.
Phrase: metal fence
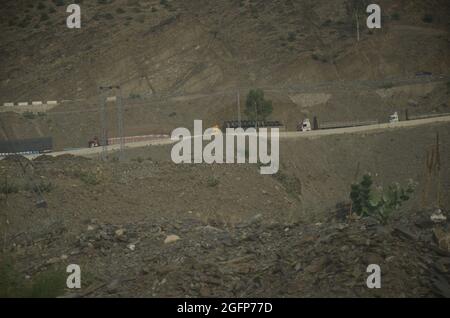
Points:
[[332, 125]]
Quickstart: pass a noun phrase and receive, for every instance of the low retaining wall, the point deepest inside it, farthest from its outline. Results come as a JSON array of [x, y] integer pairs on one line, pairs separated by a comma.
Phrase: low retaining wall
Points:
[[115, 141], [34, 106]]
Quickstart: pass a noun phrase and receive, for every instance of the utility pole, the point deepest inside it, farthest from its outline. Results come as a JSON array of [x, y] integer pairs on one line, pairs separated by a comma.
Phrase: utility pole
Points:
[[104, 123], [120, 123], [239, 108], [256, 121], [357, 25]]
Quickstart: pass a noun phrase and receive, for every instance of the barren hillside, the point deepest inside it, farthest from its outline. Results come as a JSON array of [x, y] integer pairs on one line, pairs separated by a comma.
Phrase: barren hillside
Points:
[[303, 53]]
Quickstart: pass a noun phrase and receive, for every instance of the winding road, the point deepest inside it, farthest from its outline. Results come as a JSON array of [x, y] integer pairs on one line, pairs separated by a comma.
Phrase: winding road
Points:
[[91, 152]]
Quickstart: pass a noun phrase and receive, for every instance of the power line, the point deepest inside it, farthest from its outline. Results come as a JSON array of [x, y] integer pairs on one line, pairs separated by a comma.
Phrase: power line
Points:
[[103, 118]]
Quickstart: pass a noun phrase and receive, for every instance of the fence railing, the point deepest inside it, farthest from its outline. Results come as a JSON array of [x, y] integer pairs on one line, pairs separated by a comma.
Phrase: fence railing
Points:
[[332, 125]]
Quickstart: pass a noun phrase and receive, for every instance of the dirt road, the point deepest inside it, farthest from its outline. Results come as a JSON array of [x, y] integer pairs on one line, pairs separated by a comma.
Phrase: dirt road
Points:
[[90, 152]]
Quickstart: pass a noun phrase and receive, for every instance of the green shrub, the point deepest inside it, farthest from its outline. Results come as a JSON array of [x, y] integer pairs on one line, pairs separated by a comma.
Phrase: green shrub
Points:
[[58, 3], [29, 115], [42, 186], [48, 284], [134, 96], [318, 57], [380, 203], [395, 16], [8, 188], [89, 178], [427, 18], [138, 159], [387, 85], [256, 106], [291, 36], [212, 182], [290, 182]]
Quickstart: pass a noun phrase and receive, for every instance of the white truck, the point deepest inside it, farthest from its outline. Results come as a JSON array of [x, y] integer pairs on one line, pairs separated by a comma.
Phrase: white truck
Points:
[[394, 118], [305, 125]]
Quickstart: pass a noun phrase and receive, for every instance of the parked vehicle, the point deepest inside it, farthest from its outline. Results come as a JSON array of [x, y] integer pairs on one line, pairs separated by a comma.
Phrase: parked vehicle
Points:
[[305, 125], [394, 118], [94, 143]]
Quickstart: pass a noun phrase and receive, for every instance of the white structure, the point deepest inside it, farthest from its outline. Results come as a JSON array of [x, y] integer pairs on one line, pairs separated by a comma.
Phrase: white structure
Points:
[[36, 103], [393, 118], [22, 104], [304, 126], [8, 104]]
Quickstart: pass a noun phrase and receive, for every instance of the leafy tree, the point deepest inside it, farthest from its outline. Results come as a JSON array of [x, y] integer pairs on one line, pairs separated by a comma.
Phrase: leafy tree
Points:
[[381, 203], [256, 107]]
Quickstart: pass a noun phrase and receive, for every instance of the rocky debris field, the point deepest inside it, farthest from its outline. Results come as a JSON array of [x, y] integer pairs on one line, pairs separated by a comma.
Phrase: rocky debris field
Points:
[[148, 228], [189, 258]]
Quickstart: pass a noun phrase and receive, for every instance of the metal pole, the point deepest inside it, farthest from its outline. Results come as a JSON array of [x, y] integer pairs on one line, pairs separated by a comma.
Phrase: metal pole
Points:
[[239, 108], [357, 26], [120, 123], [256, 112], [103, 119]]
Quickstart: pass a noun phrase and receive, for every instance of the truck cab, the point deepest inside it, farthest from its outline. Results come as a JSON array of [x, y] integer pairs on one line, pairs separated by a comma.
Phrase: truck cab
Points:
[[394, 118], [305, 125]]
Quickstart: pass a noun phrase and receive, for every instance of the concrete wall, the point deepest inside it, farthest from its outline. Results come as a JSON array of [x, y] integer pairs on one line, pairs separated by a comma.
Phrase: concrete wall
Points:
[[34, 106]]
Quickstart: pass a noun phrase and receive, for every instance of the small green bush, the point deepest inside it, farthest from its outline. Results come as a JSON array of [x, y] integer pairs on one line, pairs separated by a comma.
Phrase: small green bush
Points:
[[48, 284], [395, 16], [256, 106], [427, 18], [138, 159], [42, 186], [381, 203], [291, 36], [8, 188], [387, 85], [89, 178], [58, 3], [134, 96], [29, 115], [213, 182]]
